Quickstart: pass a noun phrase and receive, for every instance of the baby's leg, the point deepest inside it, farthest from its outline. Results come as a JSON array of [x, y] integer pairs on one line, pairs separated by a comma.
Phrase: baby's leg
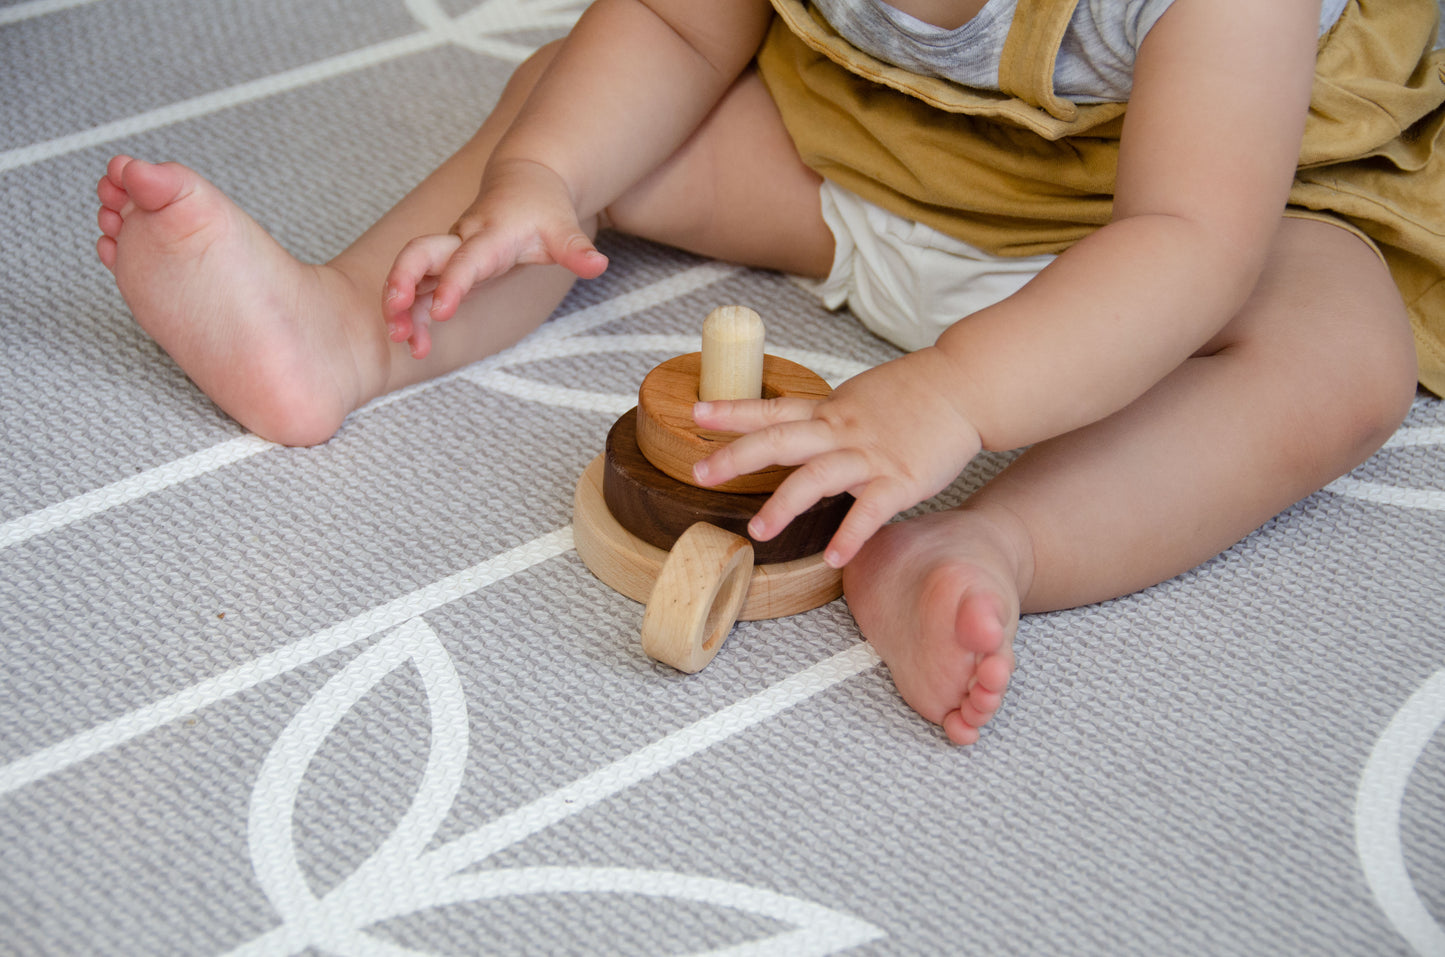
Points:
[[1308, 380], [289, 349], [736, 190]]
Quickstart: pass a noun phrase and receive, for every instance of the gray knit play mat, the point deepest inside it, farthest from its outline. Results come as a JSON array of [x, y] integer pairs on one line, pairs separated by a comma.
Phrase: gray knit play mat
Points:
[[365, 698]]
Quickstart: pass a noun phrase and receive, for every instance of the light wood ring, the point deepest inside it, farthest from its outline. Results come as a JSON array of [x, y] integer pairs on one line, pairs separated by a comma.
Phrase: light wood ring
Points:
[[673, 443], [697, 596], [630, 565]]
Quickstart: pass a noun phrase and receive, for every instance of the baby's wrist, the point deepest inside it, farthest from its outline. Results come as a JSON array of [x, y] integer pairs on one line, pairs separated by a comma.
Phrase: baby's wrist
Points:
[[941, 372]]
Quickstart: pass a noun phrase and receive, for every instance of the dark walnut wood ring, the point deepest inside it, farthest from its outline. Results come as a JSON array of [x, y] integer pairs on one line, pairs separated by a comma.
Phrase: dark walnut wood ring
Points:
[[673, 443], [657, 508]]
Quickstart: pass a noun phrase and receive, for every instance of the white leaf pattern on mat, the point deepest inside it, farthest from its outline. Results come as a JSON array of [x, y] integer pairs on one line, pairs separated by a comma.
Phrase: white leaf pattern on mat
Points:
[[273, 801], [1381, 494], [483, 27], [1377, 816], [402, 877]]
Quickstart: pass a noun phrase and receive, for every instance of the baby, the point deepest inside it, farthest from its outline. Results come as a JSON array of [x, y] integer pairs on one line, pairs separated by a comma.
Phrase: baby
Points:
[[1187, 328]]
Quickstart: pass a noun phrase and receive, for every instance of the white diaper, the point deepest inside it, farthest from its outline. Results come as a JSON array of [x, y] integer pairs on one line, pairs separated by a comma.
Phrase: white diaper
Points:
[[905, 281]]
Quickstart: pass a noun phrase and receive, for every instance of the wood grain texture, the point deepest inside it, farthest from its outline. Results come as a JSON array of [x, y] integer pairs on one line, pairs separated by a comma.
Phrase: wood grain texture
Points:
[[732, 354], [658, 508], [697, 597], [672, 442], [631, 566]]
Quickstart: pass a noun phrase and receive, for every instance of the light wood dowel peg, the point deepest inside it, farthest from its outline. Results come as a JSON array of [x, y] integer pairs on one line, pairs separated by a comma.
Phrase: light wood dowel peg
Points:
[[697, 597], [732, 354]]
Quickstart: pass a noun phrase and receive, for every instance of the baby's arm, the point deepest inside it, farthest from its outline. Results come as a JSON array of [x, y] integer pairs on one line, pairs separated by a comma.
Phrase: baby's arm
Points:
[[631, 81], [1209, 149]]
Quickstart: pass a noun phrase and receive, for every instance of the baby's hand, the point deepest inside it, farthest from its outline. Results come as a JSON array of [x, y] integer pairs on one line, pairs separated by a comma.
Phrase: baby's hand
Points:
[[522, 215], [892, 436]]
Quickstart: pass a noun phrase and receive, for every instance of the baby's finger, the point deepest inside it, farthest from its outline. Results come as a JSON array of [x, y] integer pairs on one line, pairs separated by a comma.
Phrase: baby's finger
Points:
[[749, 415], [820, 478], [479, 258], [420, 337], [874, 507], [572, 250], [783, 443], [399, 326], [422, 257]]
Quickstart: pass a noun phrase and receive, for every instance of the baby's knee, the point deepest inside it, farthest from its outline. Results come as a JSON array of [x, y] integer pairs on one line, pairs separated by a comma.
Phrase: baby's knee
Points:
[[1385, 368], [1395, 372], [1373, 380], [1347, 324]]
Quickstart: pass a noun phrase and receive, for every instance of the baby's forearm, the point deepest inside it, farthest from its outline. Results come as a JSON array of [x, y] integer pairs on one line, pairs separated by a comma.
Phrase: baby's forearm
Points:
[[1096, 329], [630, 84]]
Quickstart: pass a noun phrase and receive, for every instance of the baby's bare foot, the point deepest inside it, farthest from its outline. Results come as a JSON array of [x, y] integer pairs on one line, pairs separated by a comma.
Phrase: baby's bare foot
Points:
[[938, 597], [287, 349]]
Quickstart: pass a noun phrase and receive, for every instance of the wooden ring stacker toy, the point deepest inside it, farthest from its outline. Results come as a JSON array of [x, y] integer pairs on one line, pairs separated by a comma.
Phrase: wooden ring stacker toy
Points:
[[708, 580], [665, 430]]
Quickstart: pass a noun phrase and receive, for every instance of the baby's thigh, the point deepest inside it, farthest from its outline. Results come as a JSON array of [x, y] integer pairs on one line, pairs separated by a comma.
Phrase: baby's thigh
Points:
[[736, 190]]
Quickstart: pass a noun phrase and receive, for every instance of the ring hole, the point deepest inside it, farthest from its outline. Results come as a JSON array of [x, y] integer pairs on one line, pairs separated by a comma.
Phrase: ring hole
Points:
[[723, 611], [770, 391]]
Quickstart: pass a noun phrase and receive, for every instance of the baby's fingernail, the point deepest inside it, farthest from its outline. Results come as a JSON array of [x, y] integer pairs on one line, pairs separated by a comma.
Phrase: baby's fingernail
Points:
[[701, 408], [832, 558], [699, 471], [390, 293], [756, 529]]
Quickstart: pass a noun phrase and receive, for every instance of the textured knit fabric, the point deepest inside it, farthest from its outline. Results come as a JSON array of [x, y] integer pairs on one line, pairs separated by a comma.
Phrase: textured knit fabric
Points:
[[1095, 59], [366, 698]]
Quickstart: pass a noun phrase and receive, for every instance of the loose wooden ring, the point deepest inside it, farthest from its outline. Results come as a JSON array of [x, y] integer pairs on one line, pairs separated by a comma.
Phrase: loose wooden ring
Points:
[[698, 595]]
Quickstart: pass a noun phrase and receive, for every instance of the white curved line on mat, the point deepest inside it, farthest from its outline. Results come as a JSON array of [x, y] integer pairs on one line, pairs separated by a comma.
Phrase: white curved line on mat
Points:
[[534, 390], [819, 930], [37, 8], [208, 103], [441, 30], [475, 29], [1416, 435], [402, 878], [497, 16], [105, 736], [1377, 815], [1388, 494], [642, 764], [833, 368], [128, 490], [242, 447], [273, 799], [555, 395], [1431, 499]]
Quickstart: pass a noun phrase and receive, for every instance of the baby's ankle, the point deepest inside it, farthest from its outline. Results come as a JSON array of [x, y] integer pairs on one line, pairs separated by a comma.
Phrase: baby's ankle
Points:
[[1009, 536]]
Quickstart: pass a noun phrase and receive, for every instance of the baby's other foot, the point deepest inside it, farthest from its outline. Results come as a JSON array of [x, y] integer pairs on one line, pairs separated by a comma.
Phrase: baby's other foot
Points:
[[938, 597], [286, 348]]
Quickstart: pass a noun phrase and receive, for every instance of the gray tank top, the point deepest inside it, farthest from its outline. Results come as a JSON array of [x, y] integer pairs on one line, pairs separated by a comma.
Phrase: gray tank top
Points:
[[1095, 62]]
